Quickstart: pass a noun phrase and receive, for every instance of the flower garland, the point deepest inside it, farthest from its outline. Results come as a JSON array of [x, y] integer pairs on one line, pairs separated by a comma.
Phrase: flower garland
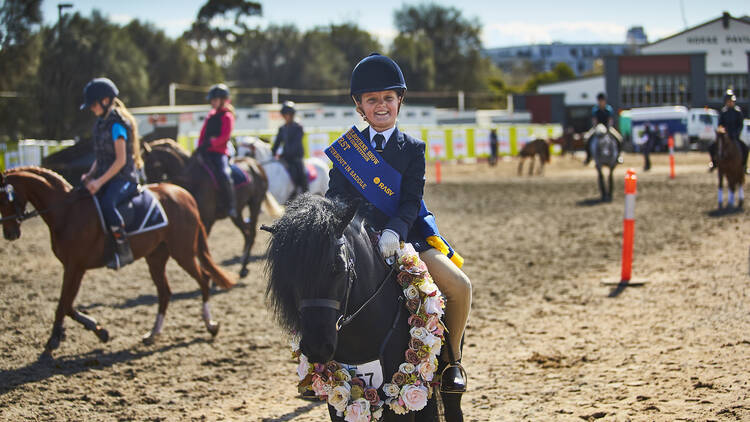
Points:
[[413, 384]]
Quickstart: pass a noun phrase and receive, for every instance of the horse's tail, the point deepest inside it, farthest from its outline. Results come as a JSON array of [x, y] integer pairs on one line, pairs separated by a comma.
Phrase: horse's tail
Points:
[[271, 206], [218, 275]]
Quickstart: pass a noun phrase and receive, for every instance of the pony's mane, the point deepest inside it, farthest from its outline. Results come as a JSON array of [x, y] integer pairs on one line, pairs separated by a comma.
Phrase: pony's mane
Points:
[[53, 178], [301, 253], [170, 143]]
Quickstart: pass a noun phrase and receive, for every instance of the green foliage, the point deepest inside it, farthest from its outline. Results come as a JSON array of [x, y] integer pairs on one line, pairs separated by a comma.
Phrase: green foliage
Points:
[[414, 54], [561, 72], [217, 43]]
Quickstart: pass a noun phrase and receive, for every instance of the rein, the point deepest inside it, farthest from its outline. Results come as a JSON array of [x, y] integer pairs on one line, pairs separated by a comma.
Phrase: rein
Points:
[[21, 216], [345, 319]]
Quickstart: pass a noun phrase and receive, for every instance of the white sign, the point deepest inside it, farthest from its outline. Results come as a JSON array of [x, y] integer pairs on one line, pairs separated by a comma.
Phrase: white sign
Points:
[[436, 143], [460, 147], [317, 143], [503, 140], [481, 142], [371, 373]]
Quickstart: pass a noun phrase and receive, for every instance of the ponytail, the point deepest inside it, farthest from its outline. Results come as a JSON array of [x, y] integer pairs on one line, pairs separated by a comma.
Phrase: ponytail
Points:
[[227, 105], [134, 128]]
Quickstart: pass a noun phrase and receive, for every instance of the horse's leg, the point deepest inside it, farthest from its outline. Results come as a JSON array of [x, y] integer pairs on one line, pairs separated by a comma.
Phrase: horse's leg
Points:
[[251, 227], [157, 263], [741, 197], [531, 165], [611, 182], [730, 202], [601, 183], [71, 283], [189, 263], [520, 166]]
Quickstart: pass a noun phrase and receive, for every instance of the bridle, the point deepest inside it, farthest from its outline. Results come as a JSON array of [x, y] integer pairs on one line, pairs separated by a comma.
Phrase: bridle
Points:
[[22, 215], [344, 319]]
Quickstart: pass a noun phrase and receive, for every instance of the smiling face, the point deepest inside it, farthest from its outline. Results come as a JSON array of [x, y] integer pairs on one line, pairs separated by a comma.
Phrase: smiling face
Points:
[[380, 108]]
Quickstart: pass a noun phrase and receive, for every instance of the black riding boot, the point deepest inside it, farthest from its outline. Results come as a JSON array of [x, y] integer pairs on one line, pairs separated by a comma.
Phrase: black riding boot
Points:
[[452, 377], [123, 255], [588, 152], [230, 196]]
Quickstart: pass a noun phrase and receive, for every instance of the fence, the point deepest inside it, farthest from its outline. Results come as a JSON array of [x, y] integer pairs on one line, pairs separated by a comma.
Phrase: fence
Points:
[[29, 152]]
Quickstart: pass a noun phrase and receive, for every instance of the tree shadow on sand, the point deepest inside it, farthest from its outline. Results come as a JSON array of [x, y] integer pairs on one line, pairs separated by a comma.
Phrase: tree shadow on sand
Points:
[[44, 368], [723, 212], [154, 299], [238, 259]]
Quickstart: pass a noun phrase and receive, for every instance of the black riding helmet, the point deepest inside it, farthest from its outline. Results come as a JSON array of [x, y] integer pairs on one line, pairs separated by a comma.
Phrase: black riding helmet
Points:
[[288, 108], [376, 73], [96, 90], [218, 91]]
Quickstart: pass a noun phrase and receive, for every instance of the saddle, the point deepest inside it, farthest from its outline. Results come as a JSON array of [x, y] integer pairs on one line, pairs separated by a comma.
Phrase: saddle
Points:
[[142, 212]]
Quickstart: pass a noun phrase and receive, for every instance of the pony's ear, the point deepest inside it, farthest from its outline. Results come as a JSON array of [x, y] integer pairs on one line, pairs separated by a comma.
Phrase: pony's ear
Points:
[[348, 215]]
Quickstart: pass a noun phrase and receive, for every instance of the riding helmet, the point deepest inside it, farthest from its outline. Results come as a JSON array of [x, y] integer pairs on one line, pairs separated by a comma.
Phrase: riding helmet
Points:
[[98, 89], [729, 96], [376, 73], [288, 108], [218, 91], [601, 96]]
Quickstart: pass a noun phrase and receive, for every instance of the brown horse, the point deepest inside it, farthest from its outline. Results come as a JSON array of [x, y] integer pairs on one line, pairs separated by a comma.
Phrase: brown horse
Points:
[[729, 158], [570, 142], [166, 160], [80, 243], [538, 147]]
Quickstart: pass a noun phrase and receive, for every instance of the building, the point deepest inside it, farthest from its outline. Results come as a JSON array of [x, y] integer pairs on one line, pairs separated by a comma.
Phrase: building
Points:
[[692, 68], [579, 97], [543, 57]]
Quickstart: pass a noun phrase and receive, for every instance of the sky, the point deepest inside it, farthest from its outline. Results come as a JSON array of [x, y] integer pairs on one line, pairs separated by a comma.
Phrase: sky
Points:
[[504, 23]]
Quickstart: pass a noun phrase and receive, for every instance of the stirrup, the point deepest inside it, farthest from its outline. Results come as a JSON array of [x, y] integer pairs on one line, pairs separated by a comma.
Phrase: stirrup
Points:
[[461, 369]]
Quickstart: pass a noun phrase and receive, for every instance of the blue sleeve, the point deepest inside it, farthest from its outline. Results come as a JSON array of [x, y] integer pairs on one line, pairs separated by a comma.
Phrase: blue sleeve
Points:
[[118, 131], [593, 110], [610, 110]]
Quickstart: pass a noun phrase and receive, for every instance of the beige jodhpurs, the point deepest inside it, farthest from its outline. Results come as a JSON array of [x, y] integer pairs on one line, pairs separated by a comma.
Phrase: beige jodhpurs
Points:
[[456, 287]]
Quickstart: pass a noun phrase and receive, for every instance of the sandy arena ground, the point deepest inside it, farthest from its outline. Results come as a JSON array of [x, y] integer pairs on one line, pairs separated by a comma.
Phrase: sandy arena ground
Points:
[[545, 342]]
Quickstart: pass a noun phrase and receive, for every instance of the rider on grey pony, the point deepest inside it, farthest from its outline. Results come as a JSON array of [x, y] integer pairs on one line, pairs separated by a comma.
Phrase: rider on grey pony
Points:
[[603, 114]]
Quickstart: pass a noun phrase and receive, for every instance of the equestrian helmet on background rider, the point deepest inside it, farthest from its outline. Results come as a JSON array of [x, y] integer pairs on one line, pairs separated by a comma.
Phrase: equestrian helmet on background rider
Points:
[[98, 89], [601, 96], [218, 91], [729, 95], [376, 73], [288, 107]]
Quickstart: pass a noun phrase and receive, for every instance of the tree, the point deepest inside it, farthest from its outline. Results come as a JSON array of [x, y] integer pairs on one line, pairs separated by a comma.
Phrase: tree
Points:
[[414, 55], [218, 43], [561, 72], [267, 58], [353, 43], [456, 45], [19, 51]]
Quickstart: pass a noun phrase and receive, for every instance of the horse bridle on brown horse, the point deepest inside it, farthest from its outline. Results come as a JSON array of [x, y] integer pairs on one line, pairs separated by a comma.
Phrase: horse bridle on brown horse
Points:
[[22, 215]]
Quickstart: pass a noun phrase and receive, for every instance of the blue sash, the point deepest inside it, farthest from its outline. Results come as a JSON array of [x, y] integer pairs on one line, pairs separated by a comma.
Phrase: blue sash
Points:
[[380, 184]]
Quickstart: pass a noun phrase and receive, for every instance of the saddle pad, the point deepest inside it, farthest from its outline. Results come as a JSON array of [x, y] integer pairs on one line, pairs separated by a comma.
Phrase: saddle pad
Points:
[[312, 172], [142, 213]]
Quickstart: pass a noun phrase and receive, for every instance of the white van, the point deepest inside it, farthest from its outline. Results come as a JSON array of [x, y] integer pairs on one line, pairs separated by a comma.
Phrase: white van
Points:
[[693, 128]]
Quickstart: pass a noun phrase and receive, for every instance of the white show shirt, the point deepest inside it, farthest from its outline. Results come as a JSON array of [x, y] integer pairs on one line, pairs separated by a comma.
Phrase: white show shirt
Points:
[[386, 133]]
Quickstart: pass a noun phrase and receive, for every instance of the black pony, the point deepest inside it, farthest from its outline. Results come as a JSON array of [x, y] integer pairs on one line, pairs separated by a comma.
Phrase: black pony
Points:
[[328, 284]]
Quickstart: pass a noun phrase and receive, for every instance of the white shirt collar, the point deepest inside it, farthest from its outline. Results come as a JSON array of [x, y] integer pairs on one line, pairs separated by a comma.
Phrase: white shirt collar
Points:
[[386, 133]]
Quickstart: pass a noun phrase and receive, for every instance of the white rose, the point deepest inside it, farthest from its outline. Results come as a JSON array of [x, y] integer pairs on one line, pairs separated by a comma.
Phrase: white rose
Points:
[[428, 287], [411, 292], [419, 333], [434, 305], [376, 415], [414, 396], [434, 343], [339, 397], [391, 390], [406, 368], [397, 408], [294, 342], [303, 368]]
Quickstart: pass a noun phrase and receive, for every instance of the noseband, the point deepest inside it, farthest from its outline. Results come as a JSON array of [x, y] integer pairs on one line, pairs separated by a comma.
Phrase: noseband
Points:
[[351, 275], [20, 215]]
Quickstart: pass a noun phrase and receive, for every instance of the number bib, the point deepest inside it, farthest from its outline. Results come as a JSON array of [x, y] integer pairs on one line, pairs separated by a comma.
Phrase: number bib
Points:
[[371, 373]]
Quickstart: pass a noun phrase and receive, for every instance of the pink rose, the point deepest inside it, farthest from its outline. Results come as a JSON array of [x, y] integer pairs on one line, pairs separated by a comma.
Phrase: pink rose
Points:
[[332, 366], [358, 411], [414, 397], [371, 395], [412, 356], [412, 304], [357, 381], [320, 387], [319, 368], [427, 369], [433, 322], [404, 279]]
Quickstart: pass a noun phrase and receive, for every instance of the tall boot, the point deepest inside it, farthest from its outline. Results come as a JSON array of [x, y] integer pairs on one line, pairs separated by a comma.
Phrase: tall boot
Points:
[[123, 255], [588, 152], [231, 196]]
